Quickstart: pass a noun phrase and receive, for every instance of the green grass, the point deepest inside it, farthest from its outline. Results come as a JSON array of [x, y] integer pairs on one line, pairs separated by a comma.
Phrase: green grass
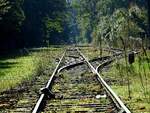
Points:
[[16, 70], [91, 52], [139, 77]]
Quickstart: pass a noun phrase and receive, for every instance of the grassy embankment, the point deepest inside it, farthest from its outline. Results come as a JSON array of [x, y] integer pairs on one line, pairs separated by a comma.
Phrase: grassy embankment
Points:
[[14, 70], [138, 75]]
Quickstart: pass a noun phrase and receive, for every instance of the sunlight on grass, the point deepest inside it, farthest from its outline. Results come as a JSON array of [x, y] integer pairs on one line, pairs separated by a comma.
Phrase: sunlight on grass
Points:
[[92, 53], [22, 70], [139, 77], [14, 71]]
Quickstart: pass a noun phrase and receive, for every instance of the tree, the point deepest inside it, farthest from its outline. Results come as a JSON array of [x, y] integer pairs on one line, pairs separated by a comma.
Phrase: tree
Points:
[[11, 24], [4, 7], [48, 20], [125, 18], [148, 3]]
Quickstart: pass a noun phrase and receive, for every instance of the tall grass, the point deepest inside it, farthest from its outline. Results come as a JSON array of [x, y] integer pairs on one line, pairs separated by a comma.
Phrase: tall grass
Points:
[[139, 77], [144, 74], [22, 70], [14, 71]]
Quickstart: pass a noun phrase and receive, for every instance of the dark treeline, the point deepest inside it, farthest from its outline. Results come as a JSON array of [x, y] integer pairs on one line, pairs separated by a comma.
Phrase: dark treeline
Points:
[[32, 23]]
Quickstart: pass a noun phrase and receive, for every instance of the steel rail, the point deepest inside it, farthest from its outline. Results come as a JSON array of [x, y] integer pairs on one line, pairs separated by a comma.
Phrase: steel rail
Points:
[[81, 63], [112, 94], [105, 63], [39, 103]]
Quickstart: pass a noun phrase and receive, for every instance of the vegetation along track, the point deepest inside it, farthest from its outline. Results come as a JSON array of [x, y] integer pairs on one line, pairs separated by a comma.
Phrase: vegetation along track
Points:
[[78, 89]]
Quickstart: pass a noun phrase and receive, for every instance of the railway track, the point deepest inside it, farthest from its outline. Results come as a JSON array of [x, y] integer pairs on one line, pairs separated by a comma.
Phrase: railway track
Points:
[[76, 88], [23, 99]]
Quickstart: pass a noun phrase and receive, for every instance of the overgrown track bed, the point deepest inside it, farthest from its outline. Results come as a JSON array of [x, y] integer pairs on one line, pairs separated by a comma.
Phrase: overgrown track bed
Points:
[[23, 97], [23, 101], [78, 89]]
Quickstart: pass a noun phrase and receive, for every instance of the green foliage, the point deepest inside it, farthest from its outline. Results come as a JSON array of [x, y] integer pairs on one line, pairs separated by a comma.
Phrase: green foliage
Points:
[[4, 7], [26, 23], [110, 20], [53, 25], [38, 22], [11, 25], [48, 19], [15, 16]]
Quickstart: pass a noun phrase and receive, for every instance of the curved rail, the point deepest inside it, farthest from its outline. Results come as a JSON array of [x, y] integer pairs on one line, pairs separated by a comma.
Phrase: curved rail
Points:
[[81, 63], [105, 63], [112, 94]]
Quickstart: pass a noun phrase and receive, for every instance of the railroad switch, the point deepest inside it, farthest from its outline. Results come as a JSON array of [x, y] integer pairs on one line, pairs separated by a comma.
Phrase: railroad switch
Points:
[[47, 92]]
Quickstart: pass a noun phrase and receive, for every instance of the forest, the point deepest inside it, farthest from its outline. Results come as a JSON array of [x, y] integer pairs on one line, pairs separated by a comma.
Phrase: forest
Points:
[[26, 23]]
